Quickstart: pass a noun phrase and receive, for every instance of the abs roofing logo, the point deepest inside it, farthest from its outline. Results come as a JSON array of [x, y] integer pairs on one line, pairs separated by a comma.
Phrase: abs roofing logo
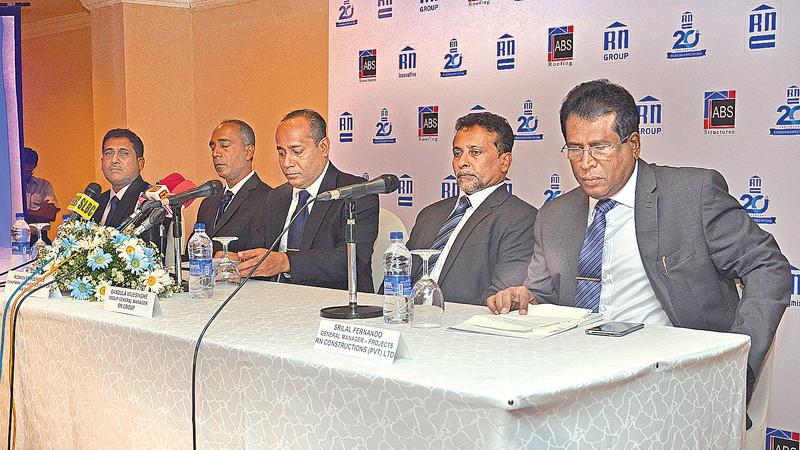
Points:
[[346, 127], [782, 440], [756, 203], [616, 41], [428, 123], [788, 123], [719, 112], [762, 27], [367, 65], [560, 46], [346, 12], [687, 40], [649, 115]]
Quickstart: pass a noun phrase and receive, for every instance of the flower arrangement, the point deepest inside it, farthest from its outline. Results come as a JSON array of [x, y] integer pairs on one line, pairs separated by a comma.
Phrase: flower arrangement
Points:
[[98, 257]]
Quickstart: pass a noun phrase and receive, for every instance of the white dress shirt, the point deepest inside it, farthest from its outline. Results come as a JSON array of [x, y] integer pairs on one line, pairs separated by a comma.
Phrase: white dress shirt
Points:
[[108, 205], [313, 190], [626, 295], [475, 201]]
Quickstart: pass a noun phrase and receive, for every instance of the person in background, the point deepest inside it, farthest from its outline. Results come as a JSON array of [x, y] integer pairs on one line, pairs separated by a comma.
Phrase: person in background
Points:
[[41, 204]]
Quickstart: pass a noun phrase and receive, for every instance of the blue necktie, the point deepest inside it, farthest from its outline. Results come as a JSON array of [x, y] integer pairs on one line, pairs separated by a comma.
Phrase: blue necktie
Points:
[[114, 202], [590, 261], [223, 205], [295, 237], [447, 228]]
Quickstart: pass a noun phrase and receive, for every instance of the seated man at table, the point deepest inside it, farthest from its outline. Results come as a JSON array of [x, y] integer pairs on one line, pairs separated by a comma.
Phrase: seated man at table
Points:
[[313, 252], [233, 146], [646, 243], [485, 234]]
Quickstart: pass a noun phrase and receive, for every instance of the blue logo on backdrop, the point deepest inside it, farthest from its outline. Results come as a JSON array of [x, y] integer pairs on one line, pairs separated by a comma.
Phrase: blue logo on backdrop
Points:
[[346, 11], [428, 5], [384, 9], [384, 133], [528, 124], [649, 115], [367, 65], [782, 439], [762, 27], [477, 109], [428, 123], [407, 63], [788, 123], [346, 127], [554, 190], [506, 49], [450, 187], [795, 299], [756, 203], [405, 193], [452, 62], [616, 40], [508, 185], [687, 39]]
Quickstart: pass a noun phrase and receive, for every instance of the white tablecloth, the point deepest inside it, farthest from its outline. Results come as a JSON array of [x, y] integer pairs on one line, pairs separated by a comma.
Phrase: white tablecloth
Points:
[[86, 378]]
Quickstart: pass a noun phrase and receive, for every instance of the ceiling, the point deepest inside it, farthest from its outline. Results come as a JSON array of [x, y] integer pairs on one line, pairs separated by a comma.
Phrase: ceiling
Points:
[[48, 9]]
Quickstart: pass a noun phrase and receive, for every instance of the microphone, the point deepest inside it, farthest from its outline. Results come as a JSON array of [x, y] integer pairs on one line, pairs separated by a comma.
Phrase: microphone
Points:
[[84, 204], [156, 217], [206, 189], [384, 184], [184, 186]]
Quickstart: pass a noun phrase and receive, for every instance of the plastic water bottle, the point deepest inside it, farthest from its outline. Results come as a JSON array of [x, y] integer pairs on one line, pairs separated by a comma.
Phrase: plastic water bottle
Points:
[[201, 274], [64, 219], [397, 307], [20, 240]]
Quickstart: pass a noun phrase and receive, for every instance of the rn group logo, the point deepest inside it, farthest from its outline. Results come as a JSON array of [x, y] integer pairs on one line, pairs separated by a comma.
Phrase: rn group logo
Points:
[[428, 5], [719, 112], [528, 124], [506, 50], [616, 40], [554, 190], [384, 9], [346, 12], [687, 39], [782, 440], [346, 127], [756, 203], [428, 123], [649, 115], [788, 123], [452, 62], [405, 193], [367, 65], [383, 135], [762, 27], [450, 187], [560, 48], [407, 63]]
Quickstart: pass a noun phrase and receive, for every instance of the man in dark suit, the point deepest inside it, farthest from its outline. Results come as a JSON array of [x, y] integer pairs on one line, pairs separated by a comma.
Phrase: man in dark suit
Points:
[[233, 145], [122, 162], [313, 251], [647, 243], [485, 234]]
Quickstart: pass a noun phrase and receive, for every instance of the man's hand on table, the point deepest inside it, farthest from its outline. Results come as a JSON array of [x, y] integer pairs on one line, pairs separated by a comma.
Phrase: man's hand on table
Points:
[[507, 300], [276, 262]]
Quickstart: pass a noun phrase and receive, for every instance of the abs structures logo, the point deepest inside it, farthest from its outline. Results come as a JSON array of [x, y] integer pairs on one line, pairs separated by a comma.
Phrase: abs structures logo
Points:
[[719, 112]]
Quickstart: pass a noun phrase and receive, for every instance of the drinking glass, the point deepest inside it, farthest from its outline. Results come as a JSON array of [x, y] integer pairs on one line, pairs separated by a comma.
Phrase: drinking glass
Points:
[[39, 248], [427, 296], [227, 276]]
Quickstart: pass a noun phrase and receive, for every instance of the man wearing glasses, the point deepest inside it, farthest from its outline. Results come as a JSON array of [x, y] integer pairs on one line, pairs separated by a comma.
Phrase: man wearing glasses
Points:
[[645, 243]]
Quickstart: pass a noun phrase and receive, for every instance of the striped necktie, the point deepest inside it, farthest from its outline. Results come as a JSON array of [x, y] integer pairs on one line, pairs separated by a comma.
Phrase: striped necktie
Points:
[[590, 261], [447, 228]]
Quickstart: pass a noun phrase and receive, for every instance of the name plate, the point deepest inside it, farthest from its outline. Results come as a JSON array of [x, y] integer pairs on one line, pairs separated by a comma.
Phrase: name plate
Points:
[[375, 344], [16, 277], [133, 302]]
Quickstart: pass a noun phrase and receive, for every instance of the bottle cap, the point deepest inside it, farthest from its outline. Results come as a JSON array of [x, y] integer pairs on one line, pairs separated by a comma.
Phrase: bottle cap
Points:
[[395, 235], [199, 226], [19, 216]]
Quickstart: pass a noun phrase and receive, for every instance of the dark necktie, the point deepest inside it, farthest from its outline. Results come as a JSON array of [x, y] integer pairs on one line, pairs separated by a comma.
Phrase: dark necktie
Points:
[[223, 205], [447, 229], [590, 261], [114, 202], [295, 237]]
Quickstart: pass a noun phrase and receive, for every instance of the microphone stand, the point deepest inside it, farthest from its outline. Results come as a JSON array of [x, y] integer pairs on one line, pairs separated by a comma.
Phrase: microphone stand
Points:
[[352, 310], [177, 238]]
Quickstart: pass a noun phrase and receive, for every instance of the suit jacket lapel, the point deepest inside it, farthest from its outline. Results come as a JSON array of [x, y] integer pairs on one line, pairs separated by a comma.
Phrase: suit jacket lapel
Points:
[[128, 201], [318, 211], [237, 201], [646, 213], [574, 234], [101, 207], [278, 207]]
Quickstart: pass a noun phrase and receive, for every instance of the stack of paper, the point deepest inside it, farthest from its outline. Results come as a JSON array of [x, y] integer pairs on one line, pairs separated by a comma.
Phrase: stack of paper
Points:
[[541, 321]]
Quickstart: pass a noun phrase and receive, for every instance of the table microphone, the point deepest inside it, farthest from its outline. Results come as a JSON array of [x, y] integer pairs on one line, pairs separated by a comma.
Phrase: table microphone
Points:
[[206, 189], [84, 204], [384, 184]]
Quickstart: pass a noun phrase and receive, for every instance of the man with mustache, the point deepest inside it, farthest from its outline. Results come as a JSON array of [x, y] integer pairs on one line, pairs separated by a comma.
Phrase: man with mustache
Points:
[[645, 243], [485, 234], [122, 162], [233, 145]]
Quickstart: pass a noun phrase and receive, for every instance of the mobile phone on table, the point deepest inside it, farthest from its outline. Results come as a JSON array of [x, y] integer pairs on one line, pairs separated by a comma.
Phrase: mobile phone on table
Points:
[[615, 329]]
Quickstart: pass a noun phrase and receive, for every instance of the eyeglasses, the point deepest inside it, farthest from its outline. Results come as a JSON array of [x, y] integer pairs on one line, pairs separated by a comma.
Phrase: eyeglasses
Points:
[[602, 151]]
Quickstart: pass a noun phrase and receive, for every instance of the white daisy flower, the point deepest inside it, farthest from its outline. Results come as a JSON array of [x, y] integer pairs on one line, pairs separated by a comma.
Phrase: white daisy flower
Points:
[[156, 280], [101, 289], [127, 248]]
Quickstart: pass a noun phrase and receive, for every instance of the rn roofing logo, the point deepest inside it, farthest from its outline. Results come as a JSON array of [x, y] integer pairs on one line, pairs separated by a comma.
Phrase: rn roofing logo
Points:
[[453, 61], [616, 40], [383, 135], [346, 127], [367, 65], [405, 193], [719, 112], [649, 115], [756, 203], [506, 49], [686, 40], [428, 123], [554, 190], [346, 12], [788, 123], [762, 27], [528, 124], [384, 9], [560, 46], [407, 63]]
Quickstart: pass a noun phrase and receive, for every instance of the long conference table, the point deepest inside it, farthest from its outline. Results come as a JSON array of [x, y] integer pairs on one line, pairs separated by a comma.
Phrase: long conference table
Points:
[[92, 379]]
